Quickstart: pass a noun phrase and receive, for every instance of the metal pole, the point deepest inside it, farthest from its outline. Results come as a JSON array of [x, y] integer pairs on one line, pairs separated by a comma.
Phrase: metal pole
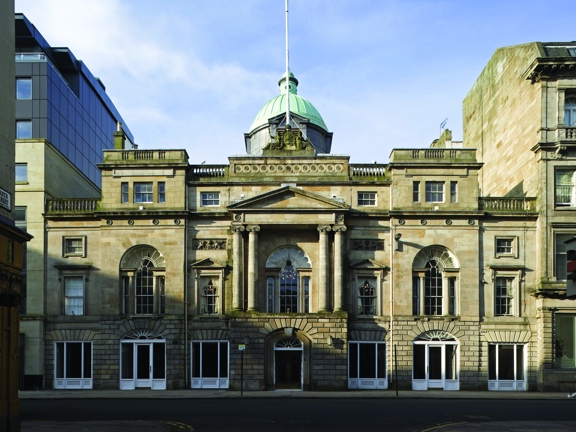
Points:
[[396, 369], [242, 373], [287, 82]]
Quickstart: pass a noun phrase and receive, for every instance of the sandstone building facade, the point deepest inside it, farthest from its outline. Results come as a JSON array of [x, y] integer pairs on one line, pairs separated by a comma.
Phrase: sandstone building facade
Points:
[[291, 268]]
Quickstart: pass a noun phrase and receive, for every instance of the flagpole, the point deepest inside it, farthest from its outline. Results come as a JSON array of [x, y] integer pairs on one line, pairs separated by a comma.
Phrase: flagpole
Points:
[[287, 82]]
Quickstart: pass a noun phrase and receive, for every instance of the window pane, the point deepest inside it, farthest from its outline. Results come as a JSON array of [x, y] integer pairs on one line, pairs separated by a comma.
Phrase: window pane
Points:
[[506, 362], [59, 360], [367, 360], [223, 359], [73, 360], [87, 360], [210, 199], [381, 360], [565, 188], [353, 360], [196, 360], [127, 370], [289, 289], [492, 362], [74, 295], [434, 192], [419, 361], [366, 299], [21, 173], [143, 192], [161, 192], [519, 362], [366, 198], [564, 340], [24, 129], [416, 191], [270, 294], [209, 360], [561, 261], [433, 289], [23, 88], [159, 361]]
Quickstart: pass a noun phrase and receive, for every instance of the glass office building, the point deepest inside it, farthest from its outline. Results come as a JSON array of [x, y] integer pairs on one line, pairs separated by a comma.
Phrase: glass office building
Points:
[[59, 100]]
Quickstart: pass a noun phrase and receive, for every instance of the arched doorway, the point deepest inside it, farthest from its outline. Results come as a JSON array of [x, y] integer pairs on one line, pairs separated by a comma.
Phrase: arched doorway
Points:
[[435, 361], [288, 364]]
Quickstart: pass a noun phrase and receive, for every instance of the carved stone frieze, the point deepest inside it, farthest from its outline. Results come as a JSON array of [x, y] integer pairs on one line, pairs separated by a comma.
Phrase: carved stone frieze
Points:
[[367, 244], [210, 244]]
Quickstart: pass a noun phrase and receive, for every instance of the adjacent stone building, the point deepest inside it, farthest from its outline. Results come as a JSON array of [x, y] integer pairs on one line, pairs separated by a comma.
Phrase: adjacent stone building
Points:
[[62, 120], [520, 115]]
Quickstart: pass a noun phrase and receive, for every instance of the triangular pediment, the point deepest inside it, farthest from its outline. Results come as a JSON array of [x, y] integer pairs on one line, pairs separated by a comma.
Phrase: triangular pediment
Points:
[[208, 263], [368, 264], [289, 198]]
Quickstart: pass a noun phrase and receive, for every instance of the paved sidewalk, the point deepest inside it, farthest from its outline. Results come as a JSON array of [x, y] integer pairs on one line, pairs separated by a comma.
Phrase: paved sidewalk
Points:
[[192, 394], [157, 426]]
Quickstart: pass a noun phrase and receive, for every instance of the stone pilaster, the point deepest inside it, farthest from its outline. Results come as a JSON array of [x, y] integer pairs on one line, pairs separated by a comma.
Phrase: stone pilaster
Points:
[[338, 267], [323, 287], [252, 266], [237, 286]]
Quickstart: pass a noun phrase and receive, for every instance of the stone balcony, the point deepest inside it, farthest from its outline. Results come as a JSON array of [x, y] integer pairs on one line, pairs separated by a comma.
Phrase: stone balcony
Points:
[[71, 206], [507, 205]]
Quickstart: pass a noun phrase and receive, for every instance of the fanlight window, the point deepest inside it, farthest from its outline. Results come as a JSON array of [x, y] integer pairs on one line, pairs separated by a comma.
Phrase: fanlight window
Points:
[[288, 343]]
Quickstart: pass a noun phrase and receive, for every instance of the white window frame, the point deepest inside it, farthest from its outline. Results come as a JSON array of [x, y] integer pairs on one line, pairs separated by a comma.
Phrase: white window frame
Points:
[[71, 294], [67, 240], [449, 299], [498, 244], [367, 303], [435, 191], [494, 381], [202, 276], [504, 299], [367, 199], [210, 199], [129, 297], [124, 192], [83, 382], [565, 193], [143, 192], [162, 192], [514, 275], [365, 382], [202, 381]]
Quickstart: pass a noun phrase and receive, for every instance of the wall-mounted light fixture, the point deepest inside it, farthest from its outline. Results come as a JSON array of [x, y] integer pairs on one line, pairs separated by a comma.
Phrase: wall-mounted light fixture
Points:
[[330, 341], [397, 237]]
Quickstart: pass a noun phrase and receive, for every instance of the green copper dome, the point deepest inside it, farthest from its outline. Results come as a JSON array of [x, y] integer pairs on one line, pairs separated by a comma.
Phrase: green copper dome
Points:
[[298, 105]]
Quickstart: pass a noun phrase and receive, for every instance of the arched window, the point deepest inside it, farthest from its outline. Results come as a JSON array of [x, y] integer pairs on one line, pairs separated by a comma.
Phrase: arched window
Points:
[[143, 283], [288, 290], [435, 273], [570, 111]]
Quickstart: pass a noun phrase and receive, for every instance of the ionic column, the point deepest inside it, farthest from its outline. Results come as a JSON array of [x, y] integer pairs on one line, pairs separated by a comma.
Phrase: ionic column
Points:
[[323, 271], [252, 266], [237, 288], [338, 267]]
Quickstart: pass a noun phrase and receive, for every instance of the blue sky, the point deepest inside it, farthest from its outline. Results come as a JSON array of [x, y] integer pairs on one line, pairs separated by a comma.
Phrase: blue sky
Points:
[[383, 74]]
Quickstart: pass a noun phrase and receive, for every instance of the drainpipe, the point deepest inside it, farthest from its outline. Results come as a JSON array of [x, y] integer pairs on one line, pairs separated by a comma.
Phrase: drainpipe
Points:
[[186, 350]]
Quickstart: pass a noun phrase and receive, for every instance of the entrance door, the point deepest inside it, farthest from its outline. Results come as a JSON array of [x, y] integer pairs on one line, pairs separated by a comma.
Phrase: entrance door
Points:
[[143, 365], [288, 370], [435, 366]]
